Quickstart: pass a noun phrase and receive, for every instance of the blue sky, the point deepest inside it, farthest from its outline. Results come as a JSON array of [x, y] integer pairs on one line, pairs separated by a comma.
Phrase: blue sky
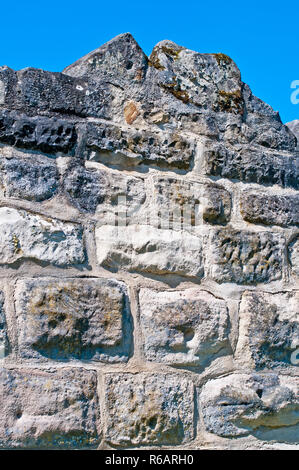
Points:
[[260, 36]]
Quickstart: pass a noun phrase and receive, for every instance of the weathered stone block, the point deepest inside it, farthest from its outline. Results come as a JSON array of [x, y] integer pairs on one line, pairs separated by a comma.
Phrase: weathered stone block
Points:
[[40, 91], [87, 319], [37, 133], [245, 257], [270, 209], [210, 201], [269, 328], [115, 145], [27, 236], [265, 406], [252, 166], [149, 409], [3, 335], [188, 327], [147, 249], [89, 188], [53, 409], [293, 250], [33, 178]]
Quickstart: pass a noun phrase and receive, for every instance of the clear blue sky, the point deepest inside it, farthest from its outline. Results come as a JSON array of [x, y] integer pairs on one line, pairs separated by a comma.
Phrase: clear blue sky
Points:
[[260, 36]]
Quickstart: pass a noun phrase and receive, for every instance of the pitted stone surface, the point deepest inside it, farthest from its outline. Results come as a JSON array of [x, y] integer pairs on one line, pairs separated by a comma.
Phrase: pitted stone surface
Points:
[[54, 409], [73, 318], [34, 178], [27, 236], [189, 327], [149, 409], [265, 406], [294, 255], [269, 209], [131, 147], [95, 188], [269, 328], [245, 257], [210, 201], [149, 240], [252, 165], [3, 335]]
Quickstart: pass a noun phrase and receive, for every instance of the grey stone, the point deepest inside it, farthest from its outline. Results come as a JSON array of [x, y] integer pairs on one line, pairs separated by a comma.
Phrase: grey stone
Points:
[[211, 201], [147, 249], [49, 409], [269, 329], [27, 236], [261, 405], [33, 178], [120, 61], [87, 319], [90, 189], [3, 334], [252, 166], [115, 145], [37, 133], [270, 209], [294, 127], [293, 251], [149, 409], [188, 327], [245, 257]]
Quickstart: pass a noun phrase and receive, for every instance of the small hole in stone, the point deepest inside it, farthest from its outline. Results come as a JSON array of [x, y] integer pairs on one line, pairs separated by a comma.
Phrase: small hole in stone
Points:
[[259, 392], [19, 414]]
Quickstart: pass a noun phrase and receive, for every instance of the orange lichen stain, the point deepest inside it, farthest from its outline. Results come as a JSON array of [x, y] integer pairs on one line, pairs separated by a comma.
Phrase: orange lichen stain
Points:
[[131, 112]]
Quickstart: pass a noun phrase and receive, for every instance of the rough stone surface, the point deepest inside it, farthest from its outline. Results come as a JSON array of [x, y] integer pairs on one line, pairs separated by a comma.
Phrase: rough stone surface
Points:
[[149, 409], [149, 245], [245, 257], [252, 165], [3, 335], [49, 409], [269, 328], [148, 249], [36, 133], [183, 327], [34, 178], [132, 147], [270, 209], [294, 126], [24, 235], [69, 319], [294, 256], [210, 201], [265, 406]]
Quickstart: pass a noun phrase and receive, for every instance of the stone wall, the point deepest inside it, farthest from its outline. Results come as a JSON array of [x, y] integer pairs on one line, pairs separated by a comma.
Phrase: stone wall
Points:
[[149, 250]]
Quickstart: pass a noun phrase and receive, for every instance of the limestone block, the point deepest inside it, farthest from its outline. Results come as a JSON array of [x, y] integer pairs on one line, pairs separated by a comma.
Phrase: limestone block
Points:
[[252, 166], [115, 145], [49, 409], [270, 209], [93, 188], [37, 133], [211, 201], [265, 406], [147, 249], [269, 328], [87, 319], [245, 257], [33, 178], [3, 334], [293, 251], [188, 327], [149, 409], [27, 236]]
